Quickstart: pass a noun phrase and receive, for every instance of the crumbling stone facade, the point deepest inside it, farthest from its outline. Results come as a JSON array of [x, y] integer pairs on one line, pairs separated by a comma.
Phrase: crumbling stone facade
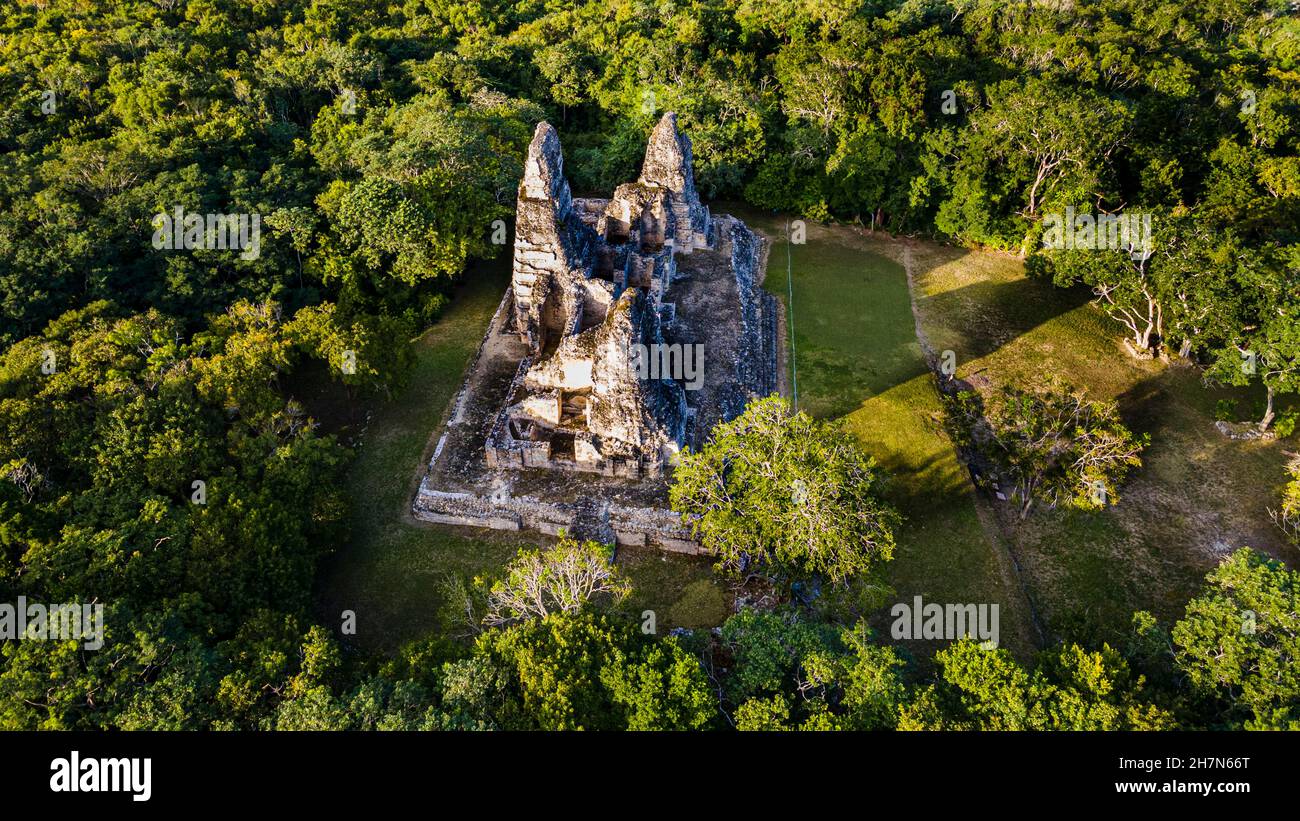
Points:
[[589, 283], [559, 424]]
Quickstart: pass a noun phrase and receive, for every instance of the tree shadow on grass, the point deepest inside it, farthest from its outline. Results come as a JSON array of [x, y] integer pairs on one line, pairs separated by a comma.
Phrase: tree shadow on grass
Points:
[[854, 330], [991, 314], [1226, 485]]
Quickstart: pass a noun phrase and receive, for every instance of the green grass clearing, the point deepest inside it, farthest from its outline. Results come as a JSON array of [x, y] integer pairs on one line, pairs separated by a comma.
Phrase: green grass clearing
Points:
[[858, 360], [1198, 496]]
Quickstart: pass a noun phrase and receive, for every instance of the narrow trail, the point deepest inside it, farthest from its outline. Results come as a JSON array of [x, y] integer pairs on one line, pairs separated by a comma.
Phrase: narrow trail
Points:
[[927, 350], [1008, 564]]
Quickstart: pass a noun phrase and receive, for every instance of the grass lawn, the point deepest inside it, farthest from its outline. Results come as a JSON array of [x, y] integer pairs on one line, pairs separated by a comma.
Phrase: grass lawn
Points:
[[392, 570], [1198, 496], [858, 360]]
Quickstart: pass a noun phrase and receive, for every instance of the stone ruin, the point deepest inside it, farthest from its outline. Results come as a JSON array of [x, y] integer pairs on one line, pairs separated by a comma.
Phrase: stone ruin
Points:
[[564, 421], [589, 281]]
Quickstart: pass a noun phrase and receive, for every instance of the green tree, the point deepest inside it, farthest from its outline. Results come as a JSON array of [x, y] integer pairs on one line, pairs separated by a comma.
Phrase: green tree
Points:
[[786, 673], [1239, 642], [1287, 516], [1070, 689], [564, 578], [1051, 443], [579, 671], [1264, 346], [1058, 142], [777, 491], [1126, 286]]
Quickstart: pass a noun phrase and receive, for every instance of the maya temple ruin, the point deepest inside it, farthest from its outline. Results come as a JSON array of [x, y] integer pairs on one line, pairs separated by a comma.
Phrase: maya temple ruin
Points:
[[632, 326]]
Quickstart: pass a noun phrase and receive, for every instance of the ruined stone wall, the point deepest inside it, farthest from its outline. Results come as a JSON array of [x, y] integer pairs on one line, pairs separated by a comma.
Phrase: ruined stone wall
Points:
[[669, 164], [581, 316], [633, 526], [553, 247]]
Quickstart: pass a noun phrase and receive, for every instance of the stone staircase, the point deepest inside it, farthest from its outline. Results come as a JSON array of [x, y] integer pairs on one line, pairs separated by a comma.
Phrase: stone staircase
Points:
[[591, 520]]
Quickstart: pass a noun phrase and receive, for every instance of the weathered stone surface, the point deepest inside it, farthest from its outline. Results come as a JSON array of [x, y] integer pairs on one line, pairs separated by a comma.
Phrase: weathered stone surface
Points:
[[669, 165], [588, 283], [668, 161], [556, 427], [1243, 431], [553, 248]]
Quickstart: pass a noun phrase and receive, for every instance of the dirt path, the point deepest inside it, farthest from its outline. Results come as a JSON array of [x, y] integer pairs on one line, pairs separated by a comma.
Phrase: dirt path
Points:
[[1008, 564], [927, 350]]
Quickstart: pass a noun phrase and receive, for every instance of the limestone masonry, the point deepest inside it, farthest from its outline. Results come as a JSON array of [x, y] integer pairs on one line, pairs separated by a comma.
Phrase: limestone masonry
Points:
[[579, 397]]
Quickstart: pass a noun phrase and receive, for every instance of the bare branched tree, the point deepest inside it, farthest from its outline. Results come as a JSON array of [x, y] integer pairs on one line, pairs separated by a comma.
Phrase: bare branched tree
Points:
[[561, 579], [1287, 517]]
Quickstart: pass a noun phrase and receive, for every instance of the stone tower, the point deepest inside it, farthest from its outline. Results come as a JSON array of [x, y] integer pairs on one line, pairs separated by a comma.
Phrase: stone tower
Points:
[[670, 166], [588, 283]]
